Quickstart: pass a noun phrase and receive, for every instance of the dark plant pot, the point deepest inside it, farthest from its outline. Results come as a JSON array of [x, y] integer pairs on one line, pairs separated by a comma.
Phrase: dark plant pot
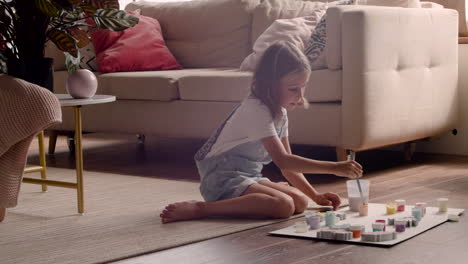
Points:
[[37, 71]]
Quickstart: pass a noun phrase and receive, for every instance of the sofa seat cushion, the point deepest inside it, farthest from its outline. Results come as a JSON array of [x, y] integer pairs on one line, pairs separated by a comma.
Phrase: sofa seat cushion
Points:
[[208, 84], [216, 84], [232, 85], [141, 85], [186, 84]]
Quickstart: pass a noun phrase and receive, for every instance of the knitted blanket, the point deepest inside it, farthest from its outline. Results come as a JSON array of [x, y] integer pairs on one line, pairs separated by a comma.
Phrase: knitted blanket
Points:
[[25, 109]]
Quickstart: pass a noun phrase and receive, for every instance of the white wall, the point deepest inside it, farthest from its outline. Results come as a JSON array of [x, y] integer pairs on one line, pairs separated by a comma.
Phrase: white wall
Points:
[[450, 144]]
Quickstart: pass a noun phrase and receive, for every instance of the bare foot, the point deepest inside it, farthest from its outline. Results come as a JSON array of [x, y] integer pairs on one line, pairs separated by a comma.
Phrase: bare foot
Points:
[[187, 210], [2, 214]]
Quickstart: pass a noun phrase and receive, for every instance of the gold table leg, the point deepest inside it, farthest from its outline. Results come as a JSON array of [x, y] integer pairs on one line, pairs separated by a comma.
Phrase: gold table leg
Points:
[[79, 164], [79, 158], [42, 159]]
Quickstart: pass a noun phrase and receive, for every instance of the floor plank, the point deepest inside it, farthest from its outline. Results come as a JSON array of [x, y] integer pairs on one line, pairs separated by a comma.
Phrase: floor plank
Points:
[[425, 178]]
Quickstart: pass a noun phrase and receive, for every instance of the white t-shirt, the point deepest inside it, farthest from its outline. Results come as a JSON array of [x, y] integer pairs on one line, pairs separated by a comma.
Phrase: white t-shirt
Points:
[[251, 121]]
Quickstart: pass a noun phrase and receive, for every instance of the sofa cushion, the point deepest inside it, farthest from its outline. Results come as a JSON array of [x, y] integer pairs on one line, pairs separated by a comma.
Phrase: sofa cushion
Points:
[[224, 84], [232, 85], [204, 33], [295, 31], [394, 3], [143, 85], [317, 43], [139, 48], [186, 84], [270, 10]]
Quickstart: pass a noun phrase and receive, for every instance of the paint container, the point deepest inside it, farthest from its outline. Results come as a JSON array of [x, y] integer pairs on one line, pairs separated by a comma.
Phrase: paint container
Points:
[[382, 221], [453, 217], [341, 216], [343, 235], [423, 208], [308, 215], [330, 218], [412, 221], [408, 222], [357, 230], [442, 203], [341, 227], [400, 205], [363, 209], [321, 215], [400, 226], [386, 236], [391, 208], [378, 227], [378, 236], [354, 196], [326, 234], [313, 222], [391, 221], [370, 237], [417, 213], [300, 227]]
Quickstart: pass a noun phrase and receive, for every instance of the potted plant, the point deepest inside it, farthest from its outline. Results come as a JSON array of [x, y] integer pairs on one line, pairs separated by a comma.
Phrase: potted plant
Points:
[[27, 25]]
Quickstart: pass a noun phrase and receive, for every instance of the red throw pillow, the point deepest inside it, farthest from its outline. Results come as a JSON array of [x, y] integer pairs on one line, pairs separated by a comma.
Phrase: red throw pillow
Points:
[[140, 48]]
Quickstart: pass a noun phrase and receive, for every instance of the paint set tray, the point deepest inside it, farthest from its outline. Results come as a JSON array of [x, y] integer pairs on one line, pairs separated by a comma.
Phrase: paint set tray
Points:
[[377, 211]]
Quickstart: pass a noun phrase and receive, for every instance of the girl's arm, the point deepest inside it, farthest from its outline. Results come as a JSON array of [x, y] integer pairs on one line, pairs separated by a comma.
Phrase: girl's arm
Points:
[[287, 161], [300, 182], [297, 179]]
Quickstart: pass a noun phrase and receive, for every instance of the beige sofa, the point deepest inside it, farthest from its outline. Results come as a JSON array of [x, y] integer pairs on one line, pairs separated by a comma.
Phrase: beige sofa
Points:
[[391, 74]]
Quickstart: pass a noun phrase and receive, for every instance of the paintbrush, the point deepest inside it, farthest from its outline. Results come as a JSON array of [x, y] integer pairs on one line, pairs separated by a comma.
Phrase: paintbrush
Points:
[[352, 156]]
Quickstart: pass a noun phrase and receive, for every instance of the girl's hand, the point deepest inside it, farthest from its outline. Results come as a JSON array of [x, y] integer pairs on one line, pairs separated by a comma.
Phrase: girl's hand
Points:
[[328, 199], [350, 169]]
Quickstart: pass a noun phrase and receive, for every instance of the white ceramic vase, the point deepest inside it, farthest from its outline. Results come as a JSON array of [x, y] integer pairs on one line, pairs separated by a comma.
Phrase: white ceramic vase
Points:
[[82, 84]]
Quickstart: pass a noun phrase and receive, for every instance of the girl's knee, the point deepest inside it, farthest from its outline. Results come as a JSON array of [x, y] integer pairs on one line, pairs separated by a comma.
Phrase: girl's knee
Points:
[[300, 203], [283, 206]]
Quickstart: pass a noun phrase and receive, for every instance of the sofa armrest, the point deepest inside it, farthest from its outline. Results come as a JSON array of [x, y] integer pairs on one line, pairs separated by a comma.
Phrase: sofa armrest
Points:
[[400, 74]]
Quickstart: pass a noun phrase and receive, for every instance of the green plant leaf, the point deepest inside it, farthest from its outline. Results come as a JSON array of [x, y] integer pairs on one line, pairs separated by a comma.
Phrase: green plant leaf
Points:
[[116, 20], [72, 63], [47, 8], [63, 4], [4, 17], [104, 4], [3, 62], [63, 41], [88, 9], [80, 36], [71, 16], [74, 2]]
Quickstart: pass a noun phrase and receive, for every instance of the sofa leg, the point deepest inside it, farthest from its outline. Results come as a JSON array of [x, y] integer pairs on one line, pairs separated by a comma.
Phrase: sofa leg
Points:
[[341, 154], [408, 150], [141, 138], [2, 214], [71, 143], [53, 134]]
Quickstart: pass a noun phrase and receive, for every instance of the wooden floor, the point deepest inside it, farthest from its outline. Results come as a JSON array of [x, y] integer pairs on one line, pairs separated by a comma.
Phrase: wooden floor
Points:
[[424, 179]]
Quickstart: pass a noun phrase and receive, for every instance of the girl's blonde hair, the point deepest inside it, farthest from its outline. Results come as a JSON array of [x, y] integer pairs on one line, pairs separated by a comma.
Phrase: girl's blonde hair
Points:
[[278, 61]]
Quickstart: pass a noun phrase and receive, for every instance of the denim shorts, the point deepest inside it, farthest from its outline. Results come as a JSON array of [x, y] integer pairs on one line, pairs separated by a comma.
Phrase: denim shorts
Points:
[[228, 175]]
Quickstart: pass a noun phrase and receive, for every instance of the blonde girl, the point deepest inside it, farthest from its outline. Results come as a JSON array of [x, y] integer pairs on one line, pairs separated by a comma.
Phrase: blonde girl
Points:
[[256, 133]]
